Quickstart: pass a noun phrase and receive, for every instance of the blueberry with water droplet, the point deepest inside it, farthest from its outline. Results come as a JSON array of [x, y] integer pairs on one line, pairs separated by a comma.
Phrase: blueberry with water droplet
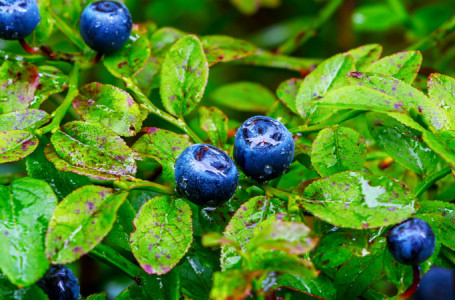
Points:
[[98, 22], [59, 283], [18, 18], [411, 242], [206, 175], [263, 148]]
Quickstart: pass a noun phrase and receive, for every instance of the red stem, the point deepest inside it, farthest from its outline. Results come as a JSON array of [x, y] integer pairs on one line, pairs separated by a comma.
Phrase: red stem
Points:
[[98, 57], [417, 276], [48, 51], [27, 47]]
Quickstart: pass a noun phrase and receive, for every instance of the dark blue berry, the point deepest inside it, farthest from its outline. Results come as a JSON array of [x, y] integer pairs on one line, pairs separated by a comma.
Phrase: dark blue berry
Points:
[[438, 283], [59, 283], [411, 242], [18, 18], [105, 25], [205, 175], [263, 148]]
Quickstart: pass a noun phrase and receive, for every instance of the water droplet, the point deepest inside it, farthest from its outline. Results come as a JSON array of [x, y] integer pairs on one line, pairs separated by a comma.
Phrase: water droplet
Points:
[[283, 151], [98, 24], [268, 169]]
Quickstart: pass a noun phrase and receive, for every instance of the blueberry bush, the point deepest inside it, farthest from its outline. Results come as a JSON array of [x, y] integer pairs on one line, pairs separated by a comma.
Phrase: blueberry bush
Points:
[[121, 153]]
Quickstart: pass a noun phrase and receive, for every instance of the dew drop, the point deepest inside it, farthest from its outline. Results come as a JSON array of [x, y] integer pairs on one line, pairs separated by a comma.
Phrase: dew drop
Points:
[[268, 169]]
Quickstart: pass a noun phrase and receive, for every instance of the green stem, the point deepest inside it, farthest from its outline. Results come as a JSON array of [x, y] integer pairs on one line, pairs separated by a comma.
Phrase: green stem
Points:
[[430, 180], [304, 35], [138, 184], [344, 117], [61, 111], [142, 98], [436, 36], [108, 255], [68, 31]]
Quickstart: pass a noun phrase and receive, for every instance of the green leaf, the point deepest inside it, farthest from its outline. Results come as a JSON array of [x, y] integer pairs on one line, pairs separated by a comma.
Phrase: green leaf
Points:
[[443, 144], [287, 92], [110, 106], [398, 274], [241, 227], [359, 200], [9, 291], [402, 143], [163, 146], [16, 144], [221, 48], [163, 234], [26, 207], [329, 75], [21, 120], [321, 286], [244, 96], [375, 17], [51, 81], [213, 121], [93, 210], [365, 55], [247, 7], [18, 83], [184, 76], [44, 29], [440, 90], [404, 93], [402, 65], [100, 296], [445, 211], [233, 284], [162, 40], [40, 168], [130, 59], [148, 78], [92, 150], [338, 149]]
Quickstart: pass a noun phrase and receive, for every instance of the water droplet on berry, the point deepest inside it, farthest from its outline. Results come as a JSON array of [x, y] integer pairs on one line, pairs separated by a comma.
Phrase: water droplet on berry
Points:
[[283, 151], [98, 25], [268, 169]]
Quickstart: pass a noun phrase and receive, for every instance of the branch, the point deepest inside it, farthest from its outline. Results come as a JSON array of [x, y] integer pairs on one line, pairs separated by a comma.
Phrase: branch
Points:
[[435, 37], [430, 180]]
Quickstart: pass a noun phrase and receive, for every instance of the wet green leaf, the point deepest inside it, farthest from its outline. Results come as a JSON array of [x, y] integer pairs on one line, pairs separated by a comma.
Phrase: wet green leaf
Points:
[[359, 200], [163, 146], [148, 78], [18, 83], [375, 17], [221, 48], [92, 150], [21, 120], [440, 90], [184, 76], [26, 207], [443, 144], [402, 143], [399, 274], [80, 222], [163, 234], [287, 92], [338, 149], [44, 29], [244, 96], [241, 227], [329, 75], [110, 106], [51, 81], [402, 65], [404, 94], [321, 286], [365, 55], [130, 59], [16, 144], [9, 291], [233, 284], [163, 39], [213, 121], [100, 296]]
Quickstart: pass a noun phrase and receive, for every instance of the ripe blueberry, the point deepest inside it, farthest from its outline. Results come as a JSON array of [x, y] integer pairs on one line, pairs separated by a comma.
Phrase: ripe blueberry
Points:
[[105, 25], [411, 242], [438, 283], [205, 175], [59, 283], [18, 18], [263, 148]]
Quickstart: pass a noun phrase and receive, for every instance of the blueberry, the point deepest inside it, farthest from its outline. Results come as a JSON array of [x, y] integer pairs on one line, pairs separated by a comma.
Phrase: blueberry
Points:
[[263, 148], [411, 242], [18, 18], [105, 25], [205, 175], [59, 283], [438, 283]]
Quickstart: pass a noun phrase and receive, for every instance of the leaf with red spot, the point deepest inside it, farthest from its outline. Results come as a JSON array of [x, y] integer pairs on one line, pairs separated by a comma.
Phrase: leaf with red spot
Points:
[[110, 106], [163, 146], [163, 39], [443, 144], [21, 120], [184, 76], [402, 65], [18, 83], [221, 48], [213, 121], [91, 149], [163, 234], [359, 200], [441, 91], [16, 144], [365, 55], [287, 92], [51, 81], [81, 221], [129, 60]]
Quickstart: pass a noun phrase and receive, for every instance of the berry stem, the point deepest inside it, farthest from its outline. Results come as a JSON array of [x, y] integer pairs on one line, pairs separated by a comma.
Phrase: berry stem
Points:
[[417, 276], [430, 180], [138, 184], [48, 51], [27, 48], [97, 58]]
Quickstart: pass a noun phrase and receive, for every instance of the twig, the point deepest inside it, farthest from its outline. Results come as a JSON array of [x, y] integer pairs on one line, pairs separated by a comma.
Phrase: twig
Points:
[[430, 180], [436, 36]]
